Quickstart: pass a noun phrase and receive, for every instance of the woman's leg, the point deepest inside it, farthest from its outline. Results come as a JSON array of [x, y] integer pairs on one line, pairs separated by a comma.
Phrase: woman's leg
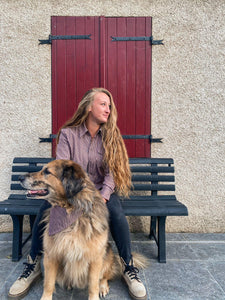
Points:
[[119, 227], [121, 235], [32, 269], [37, 232]]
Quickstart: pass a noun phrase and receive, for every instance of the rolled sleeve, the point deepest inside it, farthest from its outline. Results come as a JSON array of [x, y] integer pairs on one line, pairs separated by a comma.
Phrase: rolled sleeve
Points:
[[63, 150]]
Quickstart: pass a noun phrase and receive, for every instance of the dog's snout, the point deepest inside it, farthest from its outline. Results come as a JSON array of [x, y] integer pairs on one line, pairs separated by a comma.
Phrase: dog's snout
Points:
[[21, 178]]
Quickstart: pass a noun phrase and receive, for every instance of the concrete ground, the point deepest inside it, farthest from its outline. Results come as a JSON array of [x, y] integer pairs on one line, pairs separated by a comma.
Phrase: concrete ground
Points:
[[195, 269]]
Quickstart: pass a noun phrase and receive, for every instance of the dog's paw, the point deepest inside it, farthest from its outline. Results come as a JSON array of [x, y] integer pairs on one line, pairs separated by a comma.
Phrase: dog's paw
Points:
[[103, 288]]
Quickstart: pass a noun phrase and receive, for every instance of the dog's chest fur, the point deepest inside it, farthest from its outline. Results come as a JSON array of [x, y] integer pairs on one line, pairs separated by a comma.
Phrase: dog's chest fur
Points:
[[74, 249]]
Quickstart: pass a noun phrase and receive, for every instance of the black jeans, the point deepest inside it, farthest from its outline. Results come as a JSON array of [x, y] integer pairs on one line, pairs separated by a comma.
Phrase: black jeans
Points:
[[118, 226]]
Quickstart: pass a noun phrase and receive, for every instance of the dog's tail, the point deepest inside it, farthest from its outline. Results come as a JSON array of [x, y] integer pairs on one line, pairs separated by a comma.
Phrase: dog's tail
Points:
[[114, 265], [139, 261]]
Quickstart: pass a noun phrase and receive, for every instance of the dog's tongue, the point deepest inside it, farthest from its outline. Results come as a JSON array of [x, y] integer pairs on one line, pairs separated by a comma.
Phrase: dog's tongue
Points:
[[36, 193]]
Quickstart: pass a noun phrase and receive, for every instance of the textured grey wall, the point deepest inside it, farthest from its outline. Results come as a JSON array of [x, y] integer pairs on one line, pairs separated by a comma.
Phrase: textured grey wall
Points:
[[187, 94]]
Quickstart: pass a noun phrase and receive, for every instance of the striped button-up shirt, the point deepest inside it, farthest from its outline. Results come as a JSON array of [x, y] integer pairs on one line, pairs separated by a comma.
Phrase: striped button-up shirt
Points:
[[77, 144]]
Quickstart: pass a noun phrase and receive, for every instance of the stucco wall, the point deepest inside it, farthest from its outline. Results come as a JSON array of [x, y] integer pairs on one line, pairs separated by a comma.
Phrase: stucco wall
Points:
[[187, 94]]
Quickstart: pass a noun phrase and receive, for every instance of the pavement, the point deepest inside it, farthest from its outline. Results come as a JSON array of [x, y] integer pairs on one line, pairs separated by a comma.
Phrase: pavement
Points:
[[195, 269]]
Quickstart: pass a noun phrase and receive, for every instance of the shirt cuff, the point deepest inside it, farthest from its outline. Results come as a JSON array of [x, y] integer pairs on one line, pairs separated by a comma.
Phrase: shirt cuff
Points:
[[106, 192]]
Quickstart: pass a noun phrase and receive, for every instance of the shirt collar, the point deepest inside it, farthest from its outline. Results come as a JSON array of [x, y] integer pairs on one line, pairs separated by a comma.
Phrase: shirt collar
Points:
[[84, 130]]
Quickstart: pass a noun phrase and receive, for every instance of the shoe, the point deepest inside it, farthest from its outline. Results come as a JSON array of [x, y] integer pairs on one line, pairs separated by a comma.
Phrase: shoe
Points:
[[136, 287], [31, 273]]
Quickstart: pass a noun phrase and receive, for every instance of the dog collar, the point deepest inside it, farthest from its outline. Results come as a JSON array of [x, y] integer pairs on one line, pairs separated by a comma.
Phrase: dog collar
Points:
[[60, 220]]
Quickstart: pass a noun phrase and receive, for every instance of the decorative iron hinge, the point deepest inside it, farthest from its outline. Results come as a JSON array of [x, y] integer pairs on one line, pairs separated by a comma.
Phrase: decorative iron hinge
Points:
[[143, 137], [138, 137], [65, 37], [137, 38]]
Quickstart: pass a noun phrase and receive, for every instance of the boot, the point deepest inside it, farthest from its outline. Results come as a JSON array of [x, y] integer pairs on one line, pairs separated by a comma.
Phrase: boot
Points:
[[31, 273], [136, 287]]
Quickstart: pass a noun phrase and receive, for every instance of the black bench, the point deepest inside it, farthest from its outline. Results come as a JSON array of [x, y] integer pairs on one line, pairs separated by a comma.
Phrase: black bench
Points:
[[149, 176]]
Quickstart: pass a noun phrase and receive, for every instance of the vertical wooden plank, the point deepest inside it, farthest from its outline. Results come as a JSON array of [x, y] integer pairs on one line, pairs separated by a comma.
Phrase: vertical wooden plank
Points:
[[58, 77], [61, 72], [80, 58], [111, 58], [140, 86], [54, 71], [148, 85], [70, 91], [102, 51], [131, 88], [121, 27], [91, 68]]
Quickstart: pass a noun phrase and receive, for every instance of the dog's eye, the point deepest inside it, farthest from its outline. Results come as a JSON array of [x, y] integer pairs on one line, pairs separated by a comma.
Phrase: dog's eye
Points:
[[46, 171]]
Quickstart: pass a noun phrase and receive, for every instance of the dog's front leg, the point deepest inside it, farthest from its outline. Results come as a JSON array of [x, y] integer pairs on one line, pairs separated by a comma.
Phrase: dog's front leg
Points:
[[94, 278], [50, 273]]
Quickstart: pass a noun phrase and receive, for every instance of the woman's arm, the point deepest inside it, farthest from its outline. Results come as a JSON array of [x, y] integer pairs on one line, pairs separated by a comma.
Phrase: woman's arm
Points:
[[108, 186], [63, 150]]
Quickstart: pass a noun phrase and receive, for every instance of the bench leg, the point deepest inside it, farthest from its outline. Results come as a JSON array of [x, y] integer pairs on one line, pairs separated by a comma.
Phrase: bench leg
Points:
[[32, 220], [152, 234], [162, 239], [17, 237]]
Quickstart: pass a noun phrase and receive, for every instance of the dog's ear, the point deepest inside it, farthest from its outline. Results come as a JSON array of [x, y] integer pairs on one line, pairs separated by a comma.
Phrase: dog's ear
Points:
[[71, 184]]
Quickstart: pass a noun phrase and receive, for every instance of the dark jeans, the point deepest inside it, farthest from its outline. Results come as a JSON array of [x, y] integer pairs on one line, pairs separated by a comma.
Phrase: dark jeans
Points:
[[118, 226]]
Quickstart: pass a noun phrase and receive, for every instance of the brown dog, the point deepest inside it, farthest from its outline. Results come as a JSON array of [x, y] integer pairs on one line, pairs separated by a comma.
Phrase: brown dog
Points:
[[79, 255]]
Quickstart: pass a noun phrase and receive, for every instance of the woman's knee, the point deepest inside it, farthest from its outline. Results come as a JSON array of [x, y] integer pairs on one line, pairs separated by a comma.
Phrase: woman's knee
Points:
[[116, 213]]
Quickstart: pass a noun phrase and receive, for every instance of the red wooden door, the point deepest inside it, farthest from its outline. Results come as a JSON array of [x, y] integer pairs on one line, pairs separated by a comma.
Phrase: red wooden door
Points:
[[94, 58]]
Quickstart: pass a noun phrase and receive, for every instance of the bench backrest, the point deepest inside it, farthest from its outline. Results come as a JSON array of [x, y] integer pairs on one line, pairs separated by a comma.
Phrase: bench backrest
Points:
[[148, 174], [152, 174]]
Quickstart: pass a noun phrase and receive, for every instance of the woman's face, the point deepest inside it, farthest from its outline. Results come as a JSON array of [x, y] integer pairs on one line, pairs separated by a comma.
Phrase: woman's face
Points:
[[100, 108]]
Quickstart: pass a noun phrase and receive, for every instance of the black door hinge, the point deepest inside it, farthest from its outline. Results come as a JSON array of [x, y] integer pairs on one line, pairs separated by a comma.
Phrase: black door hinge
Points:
[[64, 37], [137, 38], [126, 137]]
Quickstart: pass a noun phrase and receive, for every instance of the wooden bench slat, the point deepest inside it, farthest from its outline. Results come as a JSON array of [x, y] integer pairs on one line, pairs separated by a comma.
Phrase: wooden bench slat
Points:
[[26, 169], [33, 160], [151, 169], [151, 160], [17, 196], [153, 187], [153, 178], [22, 201], [16, 187], [154, 211], [150, 198]]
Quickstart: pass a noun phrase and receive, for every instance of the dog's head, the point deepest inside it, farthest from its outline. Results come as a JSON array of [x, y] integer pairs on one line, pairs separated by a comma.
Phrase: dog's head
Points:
[[58, 182]]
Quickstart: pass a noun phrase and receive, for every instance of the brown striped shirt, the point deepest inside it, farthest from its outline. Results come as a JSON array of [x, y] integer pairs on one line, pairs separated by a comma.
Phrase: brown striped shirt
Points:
[[77, 144]]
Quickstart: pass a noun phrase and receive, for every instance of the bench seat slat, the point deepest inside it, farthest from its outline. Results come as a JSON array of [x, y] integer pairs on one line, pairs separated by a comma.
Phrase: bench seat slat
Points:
[[17, 196], [22, 201], [151, 197], [20, 210], [154, 211], [154, 208]]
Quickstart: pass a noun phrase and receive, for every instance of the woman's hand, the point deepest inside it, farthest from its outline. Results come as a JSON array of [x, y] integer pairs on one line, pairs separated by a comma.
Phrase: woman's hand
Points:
[[105, 200]]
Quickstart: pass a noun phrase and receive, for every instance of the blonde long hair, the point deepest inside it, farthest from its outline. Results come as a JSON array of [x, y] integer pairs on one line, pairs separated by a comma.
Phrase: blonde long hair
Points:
[[115, 156]]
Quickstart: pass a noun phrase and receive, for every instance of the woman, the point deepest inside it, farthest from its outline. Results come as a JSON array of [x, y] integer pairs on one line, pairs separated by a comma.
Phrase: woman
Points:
[[92, 139]]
